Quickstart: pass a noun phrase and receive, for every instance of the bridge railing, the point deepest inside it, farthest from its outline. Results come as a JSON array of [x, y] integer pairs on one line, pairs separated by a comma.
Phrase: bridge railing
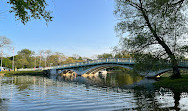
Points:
[[183, 63], [99, 61]]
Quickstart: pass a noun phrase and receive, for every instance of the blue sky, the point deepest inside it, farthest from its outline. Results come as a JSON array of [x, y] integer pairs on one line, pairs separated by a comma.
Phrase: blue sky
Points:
[[83, 27]]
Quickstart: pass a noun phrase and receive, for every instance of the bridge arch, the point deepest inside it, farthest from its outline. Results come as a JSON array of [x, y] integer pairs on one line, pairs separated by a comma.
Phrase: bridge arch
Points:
[[94, 66], [95, 69]]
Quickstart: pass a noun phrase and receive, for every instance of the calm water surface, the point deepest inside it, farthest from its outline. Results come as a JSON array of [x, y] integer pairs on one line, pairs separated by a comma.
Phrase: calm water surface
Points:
[[114, 91]]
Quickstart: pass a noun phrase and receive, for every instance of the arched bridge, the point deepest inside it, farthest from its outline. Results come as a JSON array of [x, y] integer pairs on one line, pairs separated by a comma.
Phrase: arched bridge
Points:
[[91, 67]]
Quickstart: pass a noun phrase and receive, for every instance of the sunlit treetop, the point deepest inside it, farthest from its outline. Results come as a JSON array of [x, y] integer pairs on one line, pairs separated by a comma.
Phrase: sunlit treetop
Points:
[[26, 9]]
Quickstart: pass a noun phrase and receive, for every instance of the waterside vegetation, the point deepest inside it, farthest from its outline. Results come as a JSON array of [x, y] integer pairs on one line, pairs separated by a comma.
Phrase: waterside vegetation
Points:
[[178, 85], [29, 59], [22, 73]]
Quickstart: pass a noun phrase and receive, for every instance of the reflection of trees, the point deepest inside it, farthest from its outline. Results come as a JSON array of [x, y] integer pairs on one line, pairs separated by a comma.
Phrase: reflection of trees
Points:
[[170, 99], [3, 102], [24, 82], [3, 106], [121, 79], [140, 99], [146, 101], [176, 100]]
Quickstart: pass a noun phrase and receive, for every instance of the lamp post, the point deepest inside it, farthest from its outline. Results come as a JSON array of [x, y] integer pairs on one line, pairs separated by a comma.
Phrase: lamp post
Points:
[[1, 59], [35, 61], [45, 59], [13, 60], [40, 61]]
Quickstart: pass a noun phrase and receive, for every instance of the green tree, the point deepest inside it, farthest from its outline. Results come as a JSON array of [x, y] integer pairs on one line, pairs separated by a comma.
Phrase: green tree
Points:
[[24, 59], [21, 63], [4, 42], [80, 58], [25, 52], [7, 62], [119, 53], [55, 60], [47, 53], [155, 26], [146, 63], [105, 55], [26, 9], [69, 60]]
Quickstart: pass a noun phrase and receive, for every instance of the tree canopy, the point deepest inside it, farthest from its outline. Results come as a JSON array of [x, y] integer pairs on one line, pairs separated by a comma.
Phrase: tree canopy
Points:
[[105, 55], [24, 10], [25, 52], [4, 41], [27, 58], [157, 27]]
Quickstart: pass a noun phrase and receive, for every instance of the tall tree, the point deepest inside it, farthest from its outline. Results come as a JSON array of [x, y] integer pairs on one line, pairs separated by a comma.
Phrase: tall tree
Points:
[[47, 54], [121, 53], [24, 59], [26, 9], [4, 41], [25, 53], [155, 26], [7, 62]]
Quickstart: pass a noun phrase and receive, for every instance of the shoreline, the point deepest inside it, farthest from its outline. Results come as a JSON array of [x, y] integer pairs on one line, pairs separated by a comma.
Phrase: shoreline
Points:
[[22, 73], [178, 85]]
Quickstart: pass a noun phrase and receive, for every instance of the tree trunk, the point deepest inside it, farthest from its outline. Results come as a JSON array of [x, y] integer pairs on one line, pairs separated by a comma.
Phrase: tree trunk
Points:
[[176, 72], [174, 63]]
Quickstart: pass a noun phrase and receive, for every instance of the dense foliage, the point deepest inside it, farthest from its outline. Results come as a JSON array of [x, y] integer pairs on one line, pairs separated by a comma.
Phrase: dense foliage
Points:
[[157, 27], [28, 59], [26, 9]]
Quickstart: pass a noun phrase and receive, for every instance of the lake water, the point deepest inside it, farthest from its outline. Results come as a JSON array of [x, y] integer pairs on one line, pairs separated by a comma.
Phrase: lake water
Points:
[[114, 91]]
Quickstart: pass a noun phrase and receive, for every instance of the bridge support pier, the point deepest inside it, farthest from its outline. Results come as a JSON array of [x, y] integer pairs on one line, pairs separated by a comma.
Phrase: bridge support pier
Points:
[[53, 71]]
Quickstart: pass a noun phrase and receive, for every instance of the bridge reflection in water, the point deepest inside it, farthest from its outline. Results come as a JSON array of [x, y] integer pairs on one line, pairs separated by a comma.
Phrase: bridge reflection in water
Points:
[[115, 79]]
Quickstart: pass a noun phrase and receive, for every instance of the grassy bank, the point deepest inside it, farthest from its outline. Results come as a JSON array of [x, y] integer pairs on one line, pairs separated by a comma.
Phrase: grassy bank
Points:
[[180, 84], [22, 73]]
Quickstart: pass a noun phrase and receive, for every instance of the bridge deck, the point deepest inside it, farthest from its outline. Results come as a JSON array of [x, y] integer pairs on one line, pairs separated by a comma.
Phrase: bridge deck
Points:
[[126, 61], [122, 61]]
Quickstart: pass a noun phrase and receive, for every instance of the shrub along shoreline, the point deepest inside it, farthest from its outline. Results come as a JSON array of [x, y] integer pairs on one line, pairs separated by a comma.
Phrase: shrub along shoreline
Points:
[[22, 73], [178, 85]]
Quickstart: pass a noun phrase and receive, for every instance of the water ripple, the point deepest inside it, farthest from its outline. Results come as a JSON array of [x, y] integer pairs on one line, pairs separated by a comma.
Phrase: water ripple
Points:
[[45, 94]]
